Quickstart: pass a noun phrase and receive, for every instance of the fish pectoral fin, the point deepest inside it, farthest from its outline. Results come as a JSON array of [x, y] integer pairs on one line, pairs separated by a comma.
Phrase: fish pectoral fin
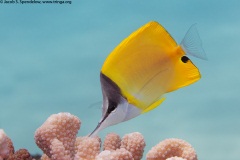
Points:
[[192, 43], [154, 105]]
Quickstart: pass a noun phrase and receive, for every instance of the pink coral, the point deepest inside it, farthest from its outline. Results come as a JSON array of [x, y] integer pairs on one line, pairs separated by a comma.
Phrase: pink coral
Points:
[[63, 127], [77, 142], [21, 154], [176, 158], [119, 154], [88, 148], [6, 145], [57, 138], [58, 151], [170, 148], [45, 157], [112, 142], [134, 143]]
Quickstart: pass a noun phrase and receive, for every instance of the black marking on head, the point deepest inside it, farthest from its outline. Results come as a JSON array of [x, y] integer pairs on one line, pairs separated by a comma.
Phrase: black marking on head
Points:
[[184, 59]]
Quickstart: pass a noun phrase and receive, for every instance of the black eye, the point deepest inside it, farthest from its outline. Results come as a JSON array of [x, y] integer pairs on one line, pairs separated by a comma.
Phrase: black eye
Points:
[[111, 106], [185, 59]]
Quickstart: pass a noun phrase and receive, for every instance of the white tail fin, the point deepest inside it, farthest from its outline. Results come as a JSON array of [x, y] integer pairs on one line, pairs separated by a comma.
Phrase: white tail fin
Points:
[[192, 43]]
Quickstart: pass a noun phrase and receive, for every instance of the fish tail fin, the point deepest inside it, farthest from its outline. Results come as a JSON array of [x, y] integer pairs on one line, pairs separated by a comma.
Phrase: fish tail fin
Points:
[[192, 44]]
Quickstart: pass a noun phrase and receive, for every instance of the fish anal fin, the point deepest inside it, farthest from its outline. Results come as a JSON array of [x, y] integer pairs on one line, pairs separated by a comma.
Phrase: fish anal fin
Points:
[[154, 105]]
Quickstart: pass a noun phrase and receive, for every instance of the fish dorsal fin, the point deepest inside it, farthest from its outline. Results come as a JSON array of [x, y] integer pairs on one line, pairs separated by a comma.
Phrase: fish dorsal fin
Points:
[[141, 65], [192, 44]]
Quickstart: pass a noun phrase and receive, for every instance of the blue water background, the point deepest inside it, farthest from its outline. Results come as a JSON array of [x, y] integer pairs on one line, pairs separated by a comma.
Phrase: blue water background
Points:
[[51, 55]]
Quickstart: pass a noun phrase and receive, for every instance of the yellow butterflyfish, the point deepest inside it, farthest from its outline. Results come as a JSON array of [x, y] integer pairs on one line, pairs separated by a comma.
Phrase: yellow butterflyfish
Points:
[[142, 68]]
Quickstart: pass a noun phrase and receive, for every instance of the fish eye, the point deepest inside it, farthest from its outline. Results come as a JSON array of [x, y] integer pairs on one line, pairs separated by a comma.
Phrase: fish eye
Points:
[[184, 59]]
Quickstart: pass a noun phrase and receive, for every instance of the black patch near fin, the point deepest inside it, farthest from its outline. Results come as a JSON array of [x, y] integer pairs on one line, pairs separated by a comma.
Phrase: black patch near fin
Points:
[[111, 89]]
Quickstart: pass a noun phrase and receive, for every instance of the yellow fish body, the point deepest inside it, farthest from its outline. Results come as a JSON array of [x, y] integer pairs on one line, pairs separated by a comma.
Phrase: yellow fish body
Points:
[[142, 68]]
